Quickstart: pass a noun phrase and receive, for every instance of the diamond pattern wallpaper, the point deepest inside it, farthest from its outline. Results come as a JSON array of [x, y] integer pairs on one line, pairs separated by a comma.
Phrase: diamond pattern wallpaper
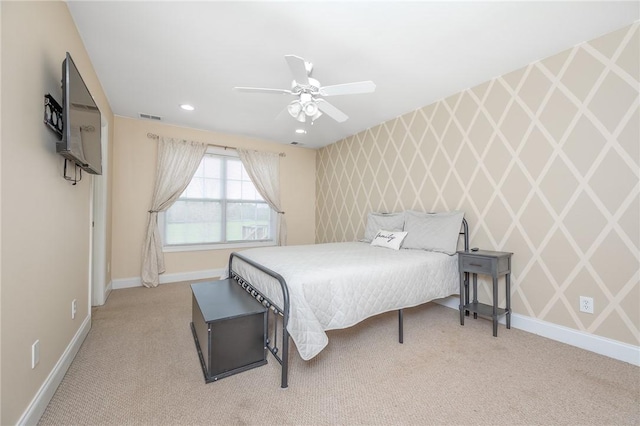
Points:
[[545, 163]]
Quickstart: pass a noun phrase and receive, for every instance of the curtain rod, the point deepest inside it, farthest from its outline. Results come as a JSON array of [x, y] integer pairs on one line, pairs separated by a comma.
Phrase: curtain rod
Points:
[[154, 136]]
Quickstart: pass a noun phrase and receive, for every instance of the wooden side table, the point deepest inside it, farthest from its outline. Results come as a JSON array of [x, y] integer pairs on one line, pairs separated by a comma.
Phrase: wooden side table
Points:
[[494, 264]]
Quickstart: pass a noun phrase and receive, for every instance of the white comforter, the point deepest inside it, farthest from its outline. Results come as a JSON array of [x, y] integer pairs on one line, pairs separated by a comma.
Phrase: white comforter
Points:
[[337, 285]]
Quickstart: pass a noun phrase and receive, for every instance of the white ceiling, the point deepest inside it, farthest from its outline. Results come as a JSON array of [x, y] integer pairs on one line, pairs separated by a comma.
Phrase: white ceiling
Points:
[[152, 56]]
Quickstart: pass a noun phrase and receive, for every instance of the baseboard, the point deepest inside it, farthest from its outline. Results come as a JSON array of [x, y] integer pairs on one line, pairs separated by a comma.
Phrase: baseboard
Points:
[[107, 291], [105, 295], [169, 278], [600, 345], [39, 403]]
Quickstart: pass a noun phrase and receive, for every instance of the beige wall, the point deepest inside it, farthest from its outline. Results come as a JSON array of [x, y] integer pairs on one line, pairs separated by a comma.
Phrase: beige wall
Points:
[[545, 163], [45, 220], [134, 165]]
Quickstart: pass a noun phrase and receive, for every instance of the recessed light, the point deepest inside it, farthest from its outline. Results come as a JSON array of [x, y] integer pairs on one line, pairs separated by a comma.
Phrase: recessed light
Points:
[[187, 107], [301, 131]]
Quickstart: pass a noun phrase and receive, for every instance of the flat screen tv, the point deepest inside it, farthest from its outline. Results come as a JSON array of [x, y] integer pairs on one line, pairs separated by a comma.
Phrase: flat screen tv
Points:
[[81, 135]]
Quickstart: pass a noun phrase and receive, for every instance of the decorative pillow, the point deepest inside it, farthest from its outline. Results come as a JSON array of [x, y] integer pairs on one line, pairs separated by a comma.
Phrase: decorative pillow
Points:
[[376, 221], [433, 231], [388, 239]]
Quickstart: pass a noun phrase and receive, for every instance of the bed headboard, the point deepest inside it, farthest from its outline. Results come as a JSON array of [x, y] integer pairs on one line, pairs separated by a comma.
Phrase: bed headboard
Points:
[[464, 231]]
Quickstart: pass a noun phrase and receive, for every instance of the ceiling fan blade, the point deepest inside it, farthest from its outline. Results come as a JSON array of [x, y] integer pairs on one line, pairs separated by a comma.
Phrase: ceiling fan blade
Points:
[[298, 69], [331, 111], [348, 88], [261, 90]]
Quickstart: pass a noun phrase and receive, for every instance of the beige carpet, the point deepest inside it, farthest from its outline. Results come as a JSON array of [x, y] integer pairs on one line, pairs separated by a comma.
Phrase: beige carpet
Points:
[[139, 365]]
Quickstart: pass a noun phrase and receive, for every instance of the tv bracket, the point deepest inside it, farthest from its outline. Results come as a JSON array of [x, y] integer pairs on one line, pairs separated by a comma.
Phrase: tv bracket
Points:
[[53, 115], [53, 120]]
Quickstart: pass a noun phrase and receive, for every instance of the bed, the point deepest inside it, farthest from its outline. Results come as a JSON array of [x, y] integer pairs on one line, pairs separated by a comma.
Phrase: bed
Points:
[[311, 289]]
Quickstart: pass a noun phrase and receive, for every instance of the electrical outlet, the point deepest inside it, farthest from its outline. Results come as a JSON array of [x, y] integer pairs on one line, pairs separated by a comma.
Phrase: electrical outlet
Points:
[[35, 353], [586, 304], [74, 308]]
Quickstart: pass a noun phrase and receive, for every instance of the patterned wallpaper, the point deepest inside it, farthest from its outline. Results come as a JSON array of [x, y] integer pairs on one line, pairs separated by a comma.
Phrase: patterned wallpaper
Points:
[[545, 162]]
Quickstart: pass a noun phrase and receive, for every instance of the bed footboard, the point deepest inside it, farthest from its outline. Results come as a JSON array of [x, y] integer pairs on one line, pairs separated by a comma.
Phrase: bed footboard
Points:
[[274, 310]]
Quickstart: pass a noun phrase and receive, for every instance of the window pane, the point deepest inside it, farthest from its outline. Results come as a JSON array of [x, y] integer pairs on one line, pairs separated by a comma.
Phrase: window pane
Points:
[[239, 185], [248, 221], [195, 188], [193, 222], [249, 191], [212, 166], [212, 188], [234, 190], [234, 169], [200, 170], [220, 184]]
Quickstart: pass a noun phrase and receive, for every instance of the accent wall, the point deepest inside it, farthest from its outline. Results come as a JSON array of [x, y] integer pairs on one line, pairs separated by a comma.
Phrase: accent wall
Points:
[[545, 163]]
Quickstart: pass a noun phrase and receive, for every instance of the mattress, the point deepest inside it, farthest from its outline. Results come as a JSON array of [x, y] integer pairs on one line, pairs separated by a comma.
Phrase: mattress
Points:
[[337, 285]]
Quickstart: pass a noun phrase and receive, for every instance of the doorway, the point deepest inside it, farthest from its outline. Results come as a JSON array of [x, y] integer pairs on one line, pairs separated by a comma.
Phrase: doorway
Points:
[[99, 288]]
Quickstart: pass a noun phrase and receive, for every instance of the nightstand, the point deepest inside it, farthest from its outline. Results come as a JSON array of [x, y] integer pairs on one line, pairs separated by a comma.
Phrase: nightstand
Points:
[[485, 262]]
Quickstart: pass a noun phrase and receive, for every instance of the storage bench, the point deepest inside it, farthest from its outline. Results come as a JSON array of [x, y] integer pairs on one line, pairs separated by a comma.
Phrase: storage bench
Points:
[[229, 328]]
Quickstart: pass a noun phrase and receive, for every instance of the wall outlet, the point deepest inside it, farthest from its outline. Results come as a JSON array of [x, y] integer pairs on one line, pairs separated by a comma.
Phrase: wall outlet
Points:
[[586, 304], [74, 308], [35, 353]]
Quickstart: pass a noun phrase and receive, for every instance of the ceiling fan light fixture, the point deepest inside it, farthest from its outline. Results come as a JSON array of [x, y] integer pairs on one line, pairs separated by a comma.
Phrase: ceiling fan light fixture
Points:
[[310, 108], [318, 114], [294, 109]]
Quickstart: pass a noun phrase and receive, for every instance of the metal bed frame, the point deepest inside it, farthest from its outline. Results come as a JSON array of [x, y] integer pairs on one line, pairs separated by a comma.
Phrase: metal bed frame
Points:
[[275, 311]]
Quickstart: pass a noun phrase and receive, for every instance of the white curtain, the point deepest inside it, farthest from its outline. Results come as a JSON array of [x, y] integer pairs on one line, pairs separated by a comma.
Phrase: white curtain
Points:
[[178, 161], [264, 170]]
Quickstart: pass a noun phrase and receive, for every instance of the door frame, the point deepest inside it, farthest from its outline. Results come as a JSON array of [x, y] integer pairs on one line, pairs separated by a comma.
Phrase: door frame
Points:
[[99, 290]]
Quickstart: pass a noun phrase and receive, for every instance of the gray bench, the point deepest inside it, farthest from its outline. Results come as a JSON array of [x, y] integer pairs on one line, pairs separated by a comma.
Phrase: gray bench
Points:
[[229, 328]]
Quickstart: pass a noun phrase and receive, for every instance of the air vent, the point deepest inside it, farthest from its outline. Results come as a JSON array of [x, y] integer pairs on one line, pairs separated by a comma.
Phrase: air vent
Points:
[[150, 117], [84, 107], [296, 143]]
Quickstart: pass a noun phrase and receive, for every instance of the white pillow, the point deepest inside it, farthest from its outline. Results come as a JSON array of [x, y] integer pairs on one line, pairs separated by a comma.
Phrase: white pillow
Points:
[[376, 221], [433, 231], [388, 239]]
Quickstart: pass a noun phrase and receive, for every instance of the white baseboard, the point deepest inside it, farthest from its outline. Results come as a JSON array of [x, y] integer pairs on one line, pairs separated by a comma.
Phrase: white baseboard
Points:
[[39, 403], [600, 345], [99, 301], [169, 278], [107, 290]]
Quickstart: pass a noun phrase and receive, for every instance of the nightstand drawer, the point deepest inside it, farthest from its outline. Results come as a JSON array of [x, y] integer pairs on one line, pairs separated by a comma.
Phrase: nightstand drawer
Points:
[[477, 264]]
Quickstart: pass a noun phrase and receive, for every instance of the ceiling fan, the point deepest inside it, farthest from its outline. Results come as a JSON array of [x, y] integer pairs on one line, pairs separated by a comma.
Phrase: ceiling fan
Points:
[[309, 92]]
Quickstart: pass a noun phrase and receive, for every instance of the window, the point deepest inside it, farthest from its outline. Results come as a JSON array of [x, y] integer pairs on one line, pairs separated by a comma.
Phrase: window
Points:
[[220, 207]]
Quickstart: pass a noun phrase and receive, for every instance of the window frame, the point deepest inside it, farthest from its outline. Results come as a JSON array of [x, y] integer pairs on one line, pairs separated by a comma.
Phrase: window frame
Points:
[[169, 248]]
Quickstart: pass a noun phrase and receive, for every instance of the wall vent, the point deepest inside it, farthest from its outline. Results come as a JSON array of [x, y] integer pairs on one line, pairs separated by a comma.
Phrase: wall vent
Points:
[[84, 107], [150, 116]]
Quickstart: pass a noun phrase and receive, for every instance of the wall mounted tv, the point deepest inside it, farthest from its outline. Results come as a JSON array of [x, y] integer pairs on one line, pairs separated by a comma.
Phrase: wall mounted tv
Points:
[[81, 136]]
